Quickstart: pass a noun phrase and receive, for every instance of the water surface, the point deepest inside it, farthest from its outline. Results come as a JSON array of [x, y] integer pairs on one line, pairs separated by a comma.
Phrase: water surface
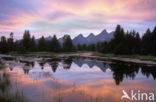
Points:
[[76, 79]]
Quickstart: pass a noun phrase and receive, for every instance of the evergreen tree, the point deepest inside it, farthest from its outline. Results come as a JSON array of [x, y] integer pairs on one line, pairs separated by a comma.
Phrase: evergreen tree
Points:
[[16, 45], [42, 44], [79, 47], [117, 44], [84, 47], [67, 44], [10, 42], [137, 43], [153, 42], [3, 45], [100, 47], [146, 42], [33, 44], [91, 47], [26, 40], [55, 45], [105, 48]]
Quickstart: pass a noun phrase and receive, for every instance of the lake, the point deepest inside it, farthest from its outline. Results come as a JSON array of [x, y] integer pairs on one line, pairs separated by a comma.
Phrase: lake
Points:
[[75, 79]]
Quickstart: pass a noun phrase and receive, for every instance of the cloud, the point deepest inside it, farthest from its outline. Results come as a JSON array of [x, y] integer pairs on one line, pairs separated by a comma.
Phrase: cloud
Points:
[[53, 16]]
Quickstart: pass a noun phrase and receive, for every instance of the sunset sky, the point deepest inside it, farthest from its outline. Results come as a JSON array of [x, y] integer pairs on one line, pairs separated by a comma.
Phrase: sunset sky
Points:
[[48, 17]]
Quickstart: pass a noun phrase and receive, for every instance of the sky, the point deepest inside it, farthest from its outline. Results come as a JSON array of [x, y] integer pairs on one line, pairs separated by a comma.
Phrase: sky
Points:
[[49, 17]]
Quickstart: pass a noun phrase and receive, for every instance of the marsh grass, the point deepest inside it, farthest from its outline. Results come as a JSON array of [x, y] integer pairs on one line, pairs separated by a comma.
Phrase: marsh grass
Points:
[[140, 57], [5, 94]]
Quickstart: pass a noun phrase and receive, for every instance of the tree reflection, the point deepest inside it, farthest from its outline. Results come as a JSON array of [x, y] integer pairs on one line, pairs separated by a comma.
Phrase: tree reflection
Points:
[[26, 71], [54, 66], [149, 70], [42, 64], [124, 70], [27, 66], [67, 63]]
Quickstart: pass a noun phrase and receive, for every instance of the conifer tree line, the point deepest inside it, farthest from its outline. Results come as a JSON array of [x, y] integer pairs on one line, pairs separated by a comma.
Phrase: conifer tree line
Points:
[[123, 42]]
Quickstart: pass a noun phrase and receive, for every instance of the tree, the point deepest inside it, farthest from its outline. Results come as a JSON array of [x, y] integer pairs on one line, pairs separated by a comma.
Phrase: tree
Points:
[[42, 44], [84, 46], [153, 42], [16, 45], [100, 47], [132, 42], [3, 45], [33, 44], [55, 45], [79, 47], [10, 42], [137, 43], [67, 44], [117, 44], [26, 40], [146, 42], [91, 47]]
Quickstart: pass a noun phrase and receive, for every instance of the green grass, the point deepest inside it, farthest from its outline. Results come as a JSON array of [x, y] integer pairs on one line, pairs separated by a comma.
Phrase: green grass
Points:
[[1, 65], [140, 57], [108, 56], [46, 53]]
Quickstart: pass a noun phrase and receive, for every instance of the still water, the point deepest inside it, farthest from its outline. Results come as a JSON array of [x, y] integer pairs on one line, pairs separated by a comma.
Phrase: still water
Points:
[[73, 79]]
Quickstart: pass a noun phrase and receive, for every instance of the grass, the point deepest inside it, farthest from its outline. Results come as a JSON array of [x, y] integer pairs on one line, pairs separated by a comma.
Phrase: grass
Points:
[[140, 57], [108, 56], [5, 94], [45, 53], [1, 65]]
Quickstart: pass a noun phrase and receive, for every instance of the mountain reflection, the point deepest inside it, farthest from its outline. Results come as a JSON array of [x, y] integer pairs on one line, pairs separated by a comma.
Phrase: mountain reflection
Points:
[[81, 61], [120, 71], [67, 62]]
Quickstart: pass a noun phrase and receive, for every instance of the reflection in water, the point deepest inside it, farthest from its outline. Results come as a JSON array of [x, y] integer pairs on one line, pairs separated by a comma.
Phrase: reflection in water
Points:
[[5, 88], [149, 71], [120, 70], [124, 70], [54, 66], [78, 79], [67, 62]]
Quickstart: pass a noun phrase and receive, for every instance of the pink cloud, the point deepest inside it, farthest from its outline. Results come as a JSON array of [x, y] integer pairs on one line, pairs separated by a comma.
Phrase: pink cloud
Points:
[[20, 15]]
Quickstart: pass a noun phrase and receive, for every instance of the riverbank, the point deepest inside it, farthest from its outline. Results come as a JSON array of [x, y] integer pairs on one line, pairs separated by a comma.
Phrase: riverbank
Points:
[[148, 60]]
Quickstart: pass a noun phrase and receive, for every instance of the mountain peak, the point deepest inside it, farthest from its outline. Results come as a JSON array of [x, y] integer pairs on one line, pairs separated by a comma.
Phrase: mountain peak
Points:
[[48, 38], [80, 35], [90, 35], [104, 32]]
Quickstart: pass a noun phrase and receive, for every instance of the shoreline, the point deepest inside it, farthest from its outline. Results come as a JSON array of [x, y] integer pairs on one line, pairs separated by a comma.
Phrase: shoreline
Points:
[[108, 58]]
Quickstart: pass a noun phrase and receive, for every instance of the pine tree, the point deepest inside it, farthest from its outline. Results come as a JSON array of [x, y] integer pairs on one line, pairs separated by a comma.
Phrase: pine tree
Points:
[[3, 45], [55, 45], [146, 42], [10, 42], [67, 44], [33, 44], [42, 44], [117, 44], [153, 42], [79, 47], [26, 40]]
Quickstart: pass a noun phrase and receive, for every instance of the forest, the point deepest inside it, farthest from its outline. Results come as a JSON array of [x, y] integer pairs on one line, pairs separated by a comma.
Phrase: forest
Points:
[[123, 43]]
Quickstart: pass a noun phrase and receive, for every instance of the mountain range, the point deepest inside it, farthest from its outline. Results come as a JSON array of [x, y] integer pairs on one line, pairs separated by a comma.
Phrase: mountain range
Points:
[[90, 39]]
